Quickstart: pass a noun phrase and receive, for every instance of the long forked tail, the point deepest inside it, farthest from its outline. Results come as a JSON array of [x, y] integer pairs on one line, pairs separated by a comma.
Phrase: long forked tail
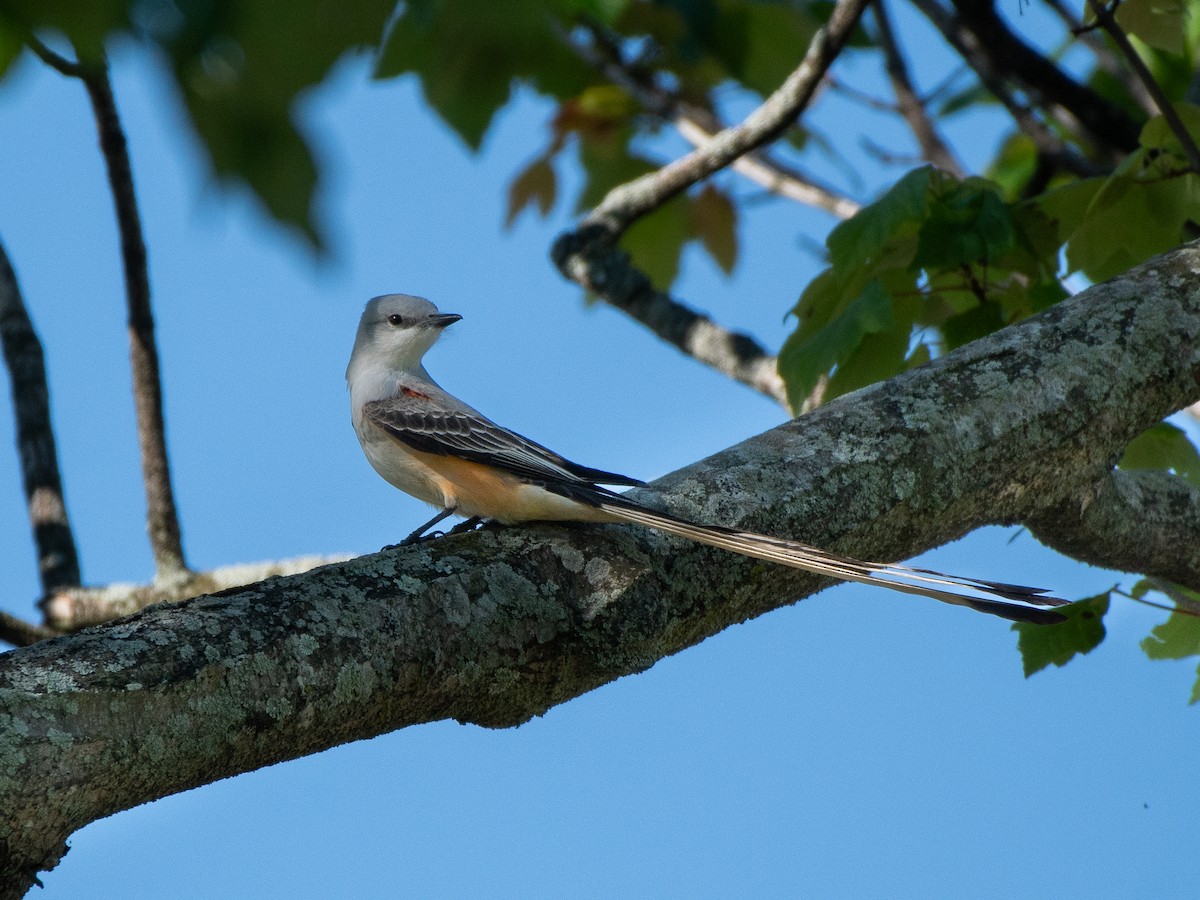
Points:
[[924, 582]]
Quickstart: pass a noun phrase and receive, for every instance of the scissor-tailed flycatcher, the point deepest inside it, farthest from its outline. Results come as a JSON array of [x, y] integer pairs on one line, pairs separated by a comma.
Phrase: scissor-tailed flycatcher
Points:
[[432, 445]]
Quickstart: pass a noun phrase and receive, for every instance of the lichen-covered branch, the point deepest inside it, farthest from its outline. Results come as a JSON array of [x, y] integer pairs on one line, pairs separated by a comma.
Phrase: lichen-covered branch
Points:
[[57, 560], [1131, 520], [500, 625], [162, 521]]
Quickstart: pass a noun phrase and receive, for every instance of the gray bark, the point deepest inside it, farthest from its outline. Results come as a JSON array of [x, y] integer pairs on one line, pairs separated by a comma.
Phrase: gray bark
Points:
[[499, 626]]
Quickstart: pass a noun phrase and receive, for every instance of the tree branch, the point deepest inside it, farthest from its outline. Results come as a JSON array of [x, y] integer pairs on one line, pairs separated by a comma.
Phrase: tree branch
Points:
[[500, 625], [628, 202], [1131, 520], [70, 609], [1049, 145], [1105, 123], [161, 518], [20, 633], [697, 126], [57, 560], [908, 103], [1106, 59], [1106, 20], [589, 256]]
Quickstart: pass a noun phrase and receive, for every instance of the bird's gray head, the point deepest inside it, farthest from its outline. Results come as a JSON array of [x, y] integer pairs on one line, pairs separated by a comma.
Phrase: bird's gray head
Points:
[[396, 329]]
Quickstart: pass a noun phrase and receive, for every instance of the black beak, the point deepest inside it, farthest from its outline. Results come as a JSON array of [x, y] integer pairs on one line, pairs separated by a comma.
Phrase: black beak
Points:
[[441, 320]]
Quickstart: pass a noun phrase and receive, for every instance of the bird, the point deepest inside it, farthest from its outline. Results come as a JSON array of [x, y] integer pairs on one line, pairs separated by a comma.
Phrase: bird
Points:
[[433, 446]]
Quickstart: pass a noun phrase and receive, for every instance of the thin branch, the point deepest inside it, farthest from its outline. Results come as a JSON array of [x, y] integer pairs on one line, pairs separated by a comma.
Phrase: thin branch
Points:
[[589, 259], [57, 560], [1108, 61], [630, 201], [1050, 146], [1108, 125], [697, 126], [20, 633], [162, 522], [70, 609], [1106, 20], [775, 176], [1185, 604], [589, 256], [908, 103]]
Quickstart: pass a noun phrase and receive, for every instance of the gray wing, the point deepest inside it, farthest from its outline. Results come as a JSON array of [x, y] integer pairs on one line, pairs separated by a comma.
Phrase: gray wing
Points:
[[468, 435]]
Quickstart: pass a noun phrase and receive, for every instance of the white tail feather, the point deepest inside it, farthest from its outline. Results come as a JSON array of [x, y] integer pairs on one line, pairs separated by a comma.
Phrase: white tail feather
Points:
[[801, 556]]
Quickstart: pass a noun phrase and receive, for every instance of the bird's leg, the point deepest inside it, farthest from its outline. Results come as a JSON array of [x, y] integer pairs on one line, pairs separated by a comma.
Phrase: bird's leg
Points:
[[466, 525], [417, 536]]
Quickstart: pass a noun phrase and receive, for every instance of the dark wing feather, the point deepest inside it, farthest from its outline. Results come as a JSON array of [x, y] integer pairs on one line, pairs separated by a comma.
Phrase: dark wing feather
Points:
[[481, 440]]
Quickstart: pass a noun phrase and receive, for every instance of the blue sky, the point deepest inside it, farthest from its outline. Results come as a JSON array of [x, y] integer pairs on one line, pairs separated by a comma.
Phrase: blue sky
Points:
[[859, 744]]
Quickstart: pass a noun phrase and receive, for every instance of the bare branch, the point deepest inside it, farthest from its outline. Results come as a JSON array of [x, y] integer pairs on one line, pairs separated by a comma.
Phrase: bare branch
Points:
[[70, 609], [589, 255], [1108, 61], [908, 103], [628, 202], [589, 259], [1106, 20], [20, 633], [161, 518], [697, 126], [57, 560], [1113, 131], [1050, 146]]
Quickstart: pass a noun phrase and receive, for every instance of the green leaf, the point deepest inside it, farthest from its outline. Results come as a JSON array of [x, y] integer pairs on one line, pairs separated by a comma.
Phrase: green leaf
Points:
[[468, 53], [980, 320], [604, 11], [1164, 447], [967, 224], [1176, 638], [655, 242], [1150, 216], [10, 46], [536, 184], [86, 25], [606, 165], [1160, 23], [804, 358], [1067, 205], [714, 221], [860, 239], [879, 355], [1014, 165], [240, 69], [1041, 645], [1157, 134], [241, 74], [760, 43]]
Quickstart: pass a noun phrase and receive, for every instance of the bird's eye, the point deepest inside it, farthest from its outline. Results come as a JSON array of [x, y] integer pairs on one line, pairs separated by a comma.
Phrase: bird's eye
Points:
[[395, 319]]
